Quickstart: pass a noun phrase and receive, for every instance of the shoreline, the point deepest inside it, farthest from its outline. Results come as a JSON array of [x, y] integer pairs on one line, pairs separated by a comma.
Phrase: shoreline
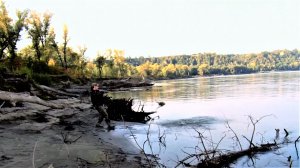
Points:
[[65, 138], [220, 75]]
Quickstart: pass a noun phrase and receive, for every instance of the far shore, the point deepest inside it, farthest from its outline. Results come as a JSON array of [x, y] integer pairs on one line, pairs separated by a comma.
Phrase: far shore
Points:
[[222, 75]]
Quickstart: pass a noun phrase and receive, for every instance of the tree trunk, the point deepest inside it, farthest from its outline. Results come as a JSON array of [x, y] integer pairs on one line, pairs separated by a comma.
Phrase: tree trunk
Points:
[[25, 97]]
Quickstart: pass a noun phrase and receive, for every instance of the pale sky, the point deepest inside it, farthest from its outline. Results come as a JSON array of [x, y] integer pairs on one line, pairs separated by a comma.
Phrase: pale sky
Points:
[[170, 27]]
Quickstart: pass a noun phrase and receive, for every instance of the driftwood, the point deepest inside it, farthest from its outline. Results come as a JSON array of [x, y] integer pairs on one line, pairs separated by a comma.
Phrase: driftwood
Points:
[[21, 83], [226, 159], [217, 158], [15, 85], [210, 158], [59, 92], [120, 109], [13, 98], [50, 92]]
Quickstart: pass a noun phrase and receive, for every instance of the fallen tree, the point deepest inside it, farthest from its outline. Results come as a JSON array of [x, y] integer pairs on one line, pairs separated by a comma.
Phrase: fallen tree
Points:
[[121, 109], [13, 98], [214, 157], [118, 109], [53, 91]]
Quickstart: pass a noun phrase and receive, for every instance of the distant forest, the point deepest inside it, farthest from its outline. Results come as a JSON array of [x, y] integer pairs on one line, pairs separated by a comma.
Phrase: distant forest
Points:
[[213, 64]]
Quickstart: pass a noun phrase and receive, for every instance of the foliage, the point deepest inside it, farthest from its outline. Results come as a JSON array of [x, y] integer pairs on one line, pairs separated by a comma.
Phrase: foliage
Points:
[[66, 39], [38, 28], [10, 32], [45, 55], [43, 79], [212, 64], [100, 61]]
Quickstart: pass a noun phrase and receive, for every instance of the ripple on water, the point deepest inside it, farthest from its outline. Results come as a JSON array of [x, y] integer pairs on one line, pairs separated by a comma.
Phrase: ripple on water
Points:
[[203, 121]]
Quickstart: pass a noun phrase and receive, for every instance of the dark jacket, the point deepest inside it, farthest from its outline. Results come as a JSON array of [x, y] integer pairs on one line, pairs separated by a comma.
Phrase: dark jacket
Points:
[[98, 98]]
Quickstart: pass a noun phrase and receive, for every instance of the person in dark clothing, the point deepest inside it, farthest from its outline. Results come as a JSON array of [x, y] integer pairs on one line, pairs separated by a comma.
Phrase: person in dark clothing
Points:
[[99, 102]]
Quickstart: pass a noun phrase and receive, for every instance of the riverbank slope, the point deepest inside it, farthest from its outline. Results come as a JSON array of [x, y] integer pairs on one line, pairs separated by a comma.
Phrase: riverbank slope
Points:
[[38, 136]]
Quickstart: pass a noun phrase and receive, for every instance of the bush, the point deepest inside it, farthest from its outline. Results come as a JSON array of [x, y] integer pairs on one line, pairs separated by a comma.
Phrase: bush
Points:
[[25, 71], [39, 67], [43, 79]]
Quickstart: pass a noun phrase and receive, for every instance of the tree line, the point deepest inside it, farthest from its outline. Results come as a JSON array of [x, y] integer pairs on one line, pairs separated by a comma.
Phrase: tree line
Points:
[[46, 55], [213, 64]]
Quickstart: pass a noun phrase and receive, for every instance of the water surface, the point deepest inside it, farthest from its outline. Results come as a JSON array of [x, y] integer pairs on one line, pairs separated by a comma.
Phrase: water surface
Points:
[[207, 104]]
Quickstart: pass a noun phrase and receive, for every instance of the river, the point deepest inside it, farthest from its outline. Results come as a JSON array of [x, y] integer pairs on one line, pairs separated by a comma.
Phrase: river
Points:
[[207, 104]]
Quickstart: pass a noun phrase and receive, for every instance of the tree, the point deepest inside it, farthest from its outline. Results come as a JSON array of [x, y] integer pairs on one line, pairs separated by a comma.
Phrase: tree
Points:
[[38, 30], [10, 32], [54, 45], [100, 61], [119, 61], [81, 60], [203, 69], [65, 43], [5, 21]]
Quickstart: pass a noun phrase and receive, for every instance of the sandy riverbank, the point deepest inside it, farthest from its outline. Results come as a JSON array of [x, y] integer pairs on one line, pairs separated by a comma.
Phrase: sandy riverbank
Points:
[[38, 136]]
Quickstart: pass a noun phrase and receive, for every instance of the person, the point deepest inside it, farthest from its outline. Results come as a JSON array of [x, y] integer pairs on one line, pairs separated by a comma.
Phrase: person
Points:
[[100, 104]]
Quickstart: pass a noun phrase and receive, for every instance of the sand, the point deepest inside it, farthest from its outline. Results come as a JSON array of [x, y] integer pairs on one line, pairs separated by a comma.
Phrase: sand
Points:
[[41, 137]]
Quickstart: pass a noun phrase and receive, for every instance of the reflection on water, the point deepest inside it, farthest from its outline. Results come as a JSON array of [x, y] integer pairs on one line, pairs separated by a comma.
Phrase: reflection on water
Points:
[[204, 104]]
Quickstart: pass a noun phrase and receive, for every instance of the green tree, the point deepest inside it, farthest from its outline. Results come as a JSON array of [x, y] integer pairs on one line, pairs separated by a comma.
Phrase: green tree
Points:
[[10, 31], [100, 61], [66, 39], [38, 30], [5, 22], [55, 47]]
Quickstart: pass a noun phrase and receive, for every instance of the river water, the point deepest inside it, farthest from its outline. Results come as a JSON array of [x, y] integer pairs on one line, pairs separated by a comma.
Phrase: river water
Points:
[[207, 104]]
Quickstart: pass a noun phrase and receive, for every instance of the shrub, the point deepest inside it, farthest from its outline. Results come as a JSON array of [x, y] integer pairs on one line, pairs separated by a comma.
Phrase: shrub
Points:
[[43, 79]]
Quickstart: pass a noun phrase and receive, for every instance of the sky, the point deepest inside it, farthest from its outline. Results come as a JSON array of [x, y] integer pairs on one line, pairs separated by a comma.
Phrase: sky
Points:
[[172, 27]]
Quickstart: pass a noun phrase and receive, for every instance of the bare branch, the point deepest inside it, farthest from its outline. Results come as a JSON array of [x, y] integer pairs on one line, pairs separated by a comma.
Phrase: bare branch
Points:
[[215, 149], [236, 137], [251, 144], [254, 126], [138, 145], [286, 132], [202, 142]]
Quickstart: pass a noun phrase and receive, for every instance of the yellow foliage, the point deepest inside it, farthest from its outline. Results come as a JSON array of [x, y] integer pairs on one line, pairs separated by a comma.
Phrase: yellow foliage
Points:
[[119, 56], [91, 66], [202, 69], [65, 32], [171, 68], [203, 66], [91, 69], [35, 19], [51, 62], [143, 68], [295, 64], [252, 65]]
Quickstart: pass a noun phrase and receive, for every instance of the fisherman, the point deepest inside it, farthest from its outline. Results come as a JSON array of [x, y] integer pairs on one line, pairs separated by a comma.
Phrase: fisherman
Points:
[[99, 101]]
